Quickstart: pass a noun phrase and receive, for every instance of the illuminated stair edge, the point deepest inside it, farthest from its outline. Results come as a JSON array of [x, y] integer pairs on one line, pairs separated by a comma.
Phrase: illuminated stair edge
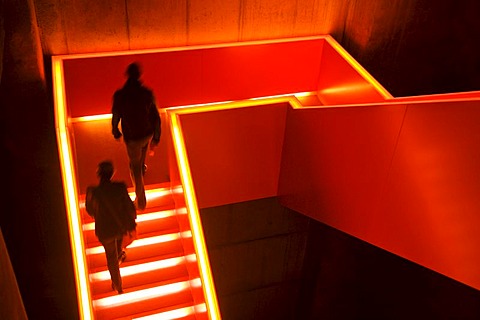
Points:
[[142, 295]]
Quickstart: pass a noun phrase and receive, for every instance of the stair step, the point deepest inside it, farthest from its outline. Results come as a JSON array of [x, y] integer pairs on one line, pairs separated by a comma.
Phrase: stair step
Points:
[[141, 273], [150, 245], [143, 299], [177, 312], [155, 274], [148, 222]]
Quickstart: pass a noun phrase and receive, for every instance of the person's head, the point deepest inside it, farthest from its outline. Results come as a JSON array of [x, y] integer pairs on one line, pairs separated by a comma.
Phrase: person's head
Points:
[[133, 71], [105, 170]]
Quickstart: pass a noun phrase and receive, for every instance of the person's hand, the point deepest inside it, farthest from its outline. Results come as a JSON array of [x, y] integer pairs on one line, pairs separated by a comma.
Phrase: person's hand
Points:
[[116, 134], [154, 143]]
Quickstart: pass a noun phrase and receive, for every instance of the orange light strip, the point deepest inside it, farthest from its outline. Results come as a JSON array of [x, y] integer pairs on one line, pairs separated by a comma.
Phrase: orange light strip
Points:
[[187, 48], [364, 73], [69, 185], [92, 118], [210, 104], [194, 218], [141, 295], [139, 243], [157, 215], [203, 107], [140, 268], [150, 194], [176, 314]]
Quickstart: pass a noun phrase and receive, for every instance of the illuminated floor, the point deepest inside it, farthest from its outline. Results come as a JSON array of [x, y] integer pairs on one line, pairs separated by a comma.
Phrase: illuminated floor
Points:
[[155, 276]]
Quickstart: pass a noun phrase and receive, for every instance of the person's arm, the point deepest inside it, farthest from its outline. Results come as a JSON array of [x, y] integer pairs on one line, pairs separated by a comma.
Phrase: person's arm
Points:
[[115, 119], [91, 204], [157, 124], [129, 211]]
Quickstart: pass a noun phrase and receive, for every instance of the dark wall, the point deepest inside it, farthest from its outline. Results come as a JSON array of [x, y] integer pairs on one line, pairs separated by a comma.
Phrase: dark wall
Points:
[[32, 218], [269, 262], [256, 251], [416, 47], [346, 278]]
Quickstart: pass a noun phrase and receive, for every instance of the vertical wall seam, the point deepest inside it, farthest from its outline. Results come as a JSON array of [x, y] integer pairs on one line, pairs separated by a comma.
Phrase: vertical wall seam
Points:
[[240, 20], [127, 23], [64, 26], [187, 22], [390, 166]]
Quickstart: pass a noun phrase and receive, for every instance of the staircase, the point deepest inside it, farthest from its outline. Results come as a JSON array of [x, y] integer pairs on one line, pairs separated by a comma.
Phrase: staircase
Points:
[[156, 281]]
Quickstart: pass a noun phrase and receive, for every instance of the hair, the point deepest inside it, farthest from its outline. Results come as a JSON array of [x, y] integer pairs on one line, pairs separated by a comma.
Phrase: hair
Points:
[[133, 70], [105, 170]]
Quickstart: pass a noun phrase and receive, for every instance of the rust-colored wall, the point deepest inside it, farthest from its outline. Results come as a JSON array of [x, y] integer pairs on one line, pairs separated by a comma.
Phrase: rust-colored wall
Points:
[[195, 76], [235, 154], [403, 177], [340, 83]]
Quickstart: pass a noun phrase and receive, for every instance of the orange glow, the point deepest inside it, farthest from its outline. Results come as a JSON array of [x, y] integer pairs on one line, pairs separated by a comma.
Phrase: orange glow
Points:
[[139, 268], [176, 314], [140, 218], [194, 217], [173, 114], [291, 99], [345, 55], [69, 185], [92, 118], [139, 242], [186, 48], [141, 295]]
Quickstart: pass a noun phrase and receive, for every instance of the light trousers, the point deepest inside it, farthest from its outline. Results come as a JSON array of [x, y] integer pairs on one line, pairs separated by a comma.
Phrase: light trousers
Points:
[[137, 151]]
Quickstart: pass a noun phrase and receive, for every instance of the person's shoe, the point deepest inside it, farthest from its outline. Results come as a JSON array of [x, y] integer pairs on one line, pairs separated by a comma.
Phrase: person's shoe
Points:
[[138, 206], [122, 257], [120, 291]]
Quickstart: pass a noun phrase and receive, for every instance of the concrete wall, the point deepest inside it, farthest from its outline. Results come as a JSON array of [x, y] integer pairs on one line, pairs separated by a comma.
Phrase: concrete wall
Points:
[[12, 304], [411, 47], [270, 262], [256, 251]]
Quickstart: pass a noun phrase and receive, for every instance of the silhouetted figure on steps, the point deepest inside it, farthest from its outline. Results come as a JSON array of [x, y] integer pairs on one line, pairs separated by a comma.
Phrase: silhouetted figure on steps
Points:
[[134, 106], [114, 213]]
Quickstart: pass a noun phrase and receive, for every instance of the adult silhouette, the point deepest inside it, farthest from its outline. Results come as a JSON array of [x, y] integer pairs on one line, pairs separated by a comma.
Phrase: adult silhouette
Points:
[[135, 109], [114, 213]]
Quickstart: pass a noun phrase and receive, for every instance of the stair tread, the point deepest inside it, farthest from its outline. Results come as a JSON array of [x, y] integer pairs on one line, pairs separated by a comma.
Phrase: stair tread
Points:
[[162, 312], [155, 274], [142, 299], [140, 236], [134, 289], [86, 218], [128, 263], [148, 223]]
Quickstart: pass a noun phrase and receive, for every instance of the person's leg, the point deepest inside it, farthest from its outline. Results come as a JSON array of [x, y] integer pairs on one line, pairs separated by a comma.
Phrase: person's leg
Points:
[[136, 153], [110, 246], [121, 255]]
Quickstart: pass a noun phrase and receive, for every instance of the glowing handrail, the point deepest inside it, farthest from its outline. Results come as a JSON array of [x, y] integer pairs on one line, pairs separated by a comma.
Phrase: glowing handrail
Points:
[[194, 217], [71, 201]]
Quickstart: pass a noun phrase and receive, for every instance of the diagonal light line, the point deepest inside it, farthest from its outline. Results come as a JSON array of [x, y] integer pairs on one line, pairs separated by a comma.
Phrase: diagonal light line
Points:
[[177, 313], [141, 295], [157, 215], [140, 268], [139, 242]]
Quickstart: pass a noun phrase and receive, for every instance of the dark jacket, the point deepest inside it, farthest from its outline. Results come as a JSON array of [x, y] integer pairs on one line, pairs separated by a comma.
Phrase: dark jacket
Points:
[[135, 106], [111, 207]]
